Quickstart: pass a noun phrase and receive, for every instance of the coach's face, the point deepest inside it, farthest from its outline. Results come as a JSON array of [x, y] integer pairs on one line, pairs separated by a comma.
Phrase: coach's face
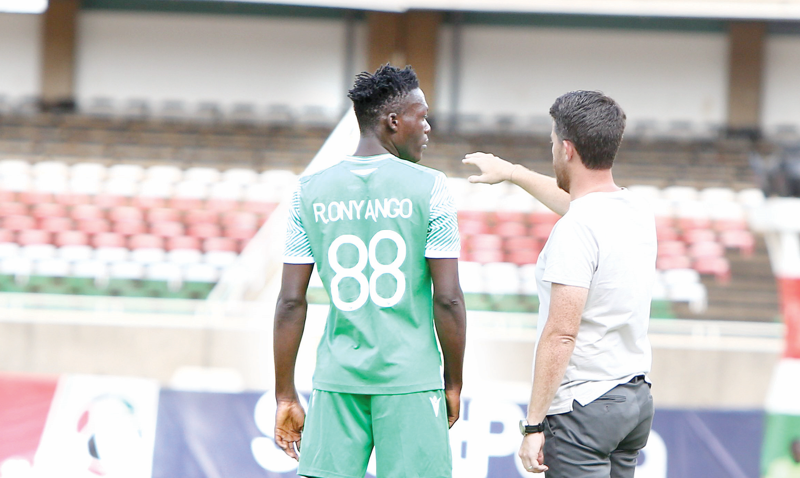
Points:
[[559, 161], [412, 128]]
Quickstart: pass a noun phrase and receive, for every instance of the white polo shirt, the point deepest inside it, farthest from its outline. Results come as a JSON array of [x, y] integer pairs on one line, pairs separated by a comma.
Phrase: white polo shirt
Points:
[[606, 243]]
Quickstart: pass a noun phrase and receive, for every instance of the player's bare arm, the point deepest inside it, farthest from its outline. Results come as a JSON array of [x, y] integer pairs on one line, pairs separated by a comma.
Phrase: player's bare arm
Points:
[[450, 317], [552, 356], [495, 170], [290, 319]]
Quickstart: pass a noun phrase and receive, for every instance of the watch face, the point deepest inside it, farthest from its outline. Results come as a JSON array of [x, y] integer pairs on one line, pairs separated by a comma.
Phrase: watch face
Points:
[[522, 424]]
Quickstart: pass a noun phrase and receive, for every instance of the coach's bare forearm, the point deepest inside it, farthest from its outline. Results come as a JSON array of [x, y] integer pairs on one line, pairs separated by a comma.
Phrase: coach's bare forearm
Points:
[[543, 188]]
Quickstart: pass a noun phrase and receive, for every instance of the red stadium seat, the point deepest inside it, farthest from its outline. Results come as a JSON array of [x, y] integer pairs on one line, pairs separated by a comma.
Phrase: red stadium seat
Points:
[[72, 199], [204, 231], [129, 228], [148, 202], [6, 235], [145, 241], [222, 205], [721, 225], [33, 237], [240, 219], [541, 231], [35, 197], [706, 249], [511, 229], [219, 244], [48, 210], [671, 248], [185, 204], [673, 262], [240, 232], [56, 224], [486, 242], [201, 216], [19, 223], [13, 209], [664, 221], [183, 242], [738, 239], [108, 201], [501, 217], [71, 238], [125, 213], [717, 266], [7, 196], [522, 243], [667, 233], [699, 235], [167, 229], [523, 256], [485, 256], [473, 215], [108, 239], [259, 207], [82, 212], [543, 217], [687, 223], [161, 214], [94, 226]]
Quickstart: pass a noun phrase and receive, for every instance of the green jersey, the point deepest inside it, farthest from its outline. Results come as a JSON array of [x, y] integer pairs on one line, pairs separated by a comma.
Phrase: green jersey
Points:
[[369, 224]]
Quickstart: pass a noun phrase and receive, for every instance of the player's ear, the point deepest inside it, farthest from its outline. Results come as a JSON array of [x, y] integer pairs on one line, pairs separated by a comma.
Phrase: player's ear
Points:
[[569, 148], [391, 121]]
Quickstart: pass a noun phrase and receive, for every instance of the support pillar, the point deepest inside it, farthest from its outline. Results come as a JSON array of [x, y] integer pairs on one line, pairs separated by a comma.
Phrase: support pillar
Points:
[[745, 77], [58, 58]]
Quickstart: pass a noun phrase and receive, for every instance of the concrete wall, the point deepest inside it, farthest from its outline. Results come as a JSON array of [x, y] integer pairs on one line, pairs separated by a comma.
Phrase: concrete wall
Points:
[[781, 94], [20, 55], [225, 59]]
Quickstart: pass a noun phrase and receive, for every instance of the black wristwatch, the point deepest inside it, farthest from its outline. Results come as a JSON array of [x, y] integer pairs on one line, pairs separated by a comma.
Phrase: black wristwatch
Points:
[[526, 429]]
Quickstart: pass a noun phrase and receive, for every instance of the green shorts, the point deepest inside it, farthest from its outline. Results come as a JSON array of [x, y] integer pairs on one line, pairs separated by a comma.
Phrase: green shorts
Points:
[[409, 433]]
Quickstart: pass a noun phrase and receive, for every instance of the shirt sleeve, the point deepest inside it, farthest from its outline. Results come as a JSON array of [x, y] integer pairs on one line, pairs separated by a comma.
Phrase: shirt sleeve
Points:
[[298, 248], [573, 254], [443, 240]]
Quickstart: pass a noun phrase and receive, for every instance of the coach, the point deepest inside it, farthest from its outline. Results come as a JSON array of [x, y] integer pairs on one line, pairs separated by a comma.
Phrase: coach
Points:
[[590, 409]]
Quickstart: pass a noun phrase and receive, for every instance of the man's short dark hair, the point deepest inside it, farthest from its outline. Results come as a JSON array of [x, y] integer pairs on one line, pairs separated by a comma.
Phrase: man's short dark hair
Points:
[[593, 122], [372, 93]]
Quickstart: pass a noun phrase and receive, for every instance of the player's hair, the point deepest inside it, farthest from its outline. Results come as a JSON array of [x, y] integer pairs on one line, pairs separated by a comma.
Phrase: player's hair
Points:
[[373, 93], [593, 122]]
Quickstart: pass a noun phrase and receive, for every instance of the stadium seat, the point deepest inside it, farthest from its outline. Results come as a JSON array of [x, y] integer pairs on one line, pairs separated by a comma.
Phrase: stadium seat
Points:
[[15, 183], [50, 184], [75, 252], [164, 173], [110, 254], [472, 226], [128, 172], [201, 273], [94, 226], [220, 259], [666, 263], [125, 213], [259, 207], [702, 249], [738, 239], [501, 278], [201, 175], [240, 176], [148, 202], [185, 203], [48, 210], [511, 229], [167, 229], [108, 200], [155, 188], [90, 268], [6, 236], [53, 267], [18, 223], [129, 228], [126, 270], [13, 209], [240, 219], [717, 266], [204, 230], [35, 197], [56, 224], [9, 167], [164, 271], [71, 238], [145, 241], [85, 186], [29, 237], [240, 232], [183, 242], [201, 216], [50, 168], [8, 249], [163, 215], [692, 236], [38, 251], [219, 244], [108, 239], [122, 186], [72, 199], [222, 206], [16, 266], [148, 255], [679, 194], [88, 171], [185, 256]]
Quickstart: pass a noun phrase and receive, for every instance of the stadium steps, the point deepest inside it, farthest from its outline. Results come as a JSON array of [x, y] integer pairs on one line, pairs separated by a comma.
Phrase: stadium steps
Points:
[[751, 295]]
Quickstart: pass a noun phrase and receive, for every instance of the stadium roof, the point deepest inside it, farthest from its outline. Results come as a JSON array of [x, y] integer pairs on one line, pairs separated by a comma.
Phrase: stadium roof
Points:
[[728, 9]]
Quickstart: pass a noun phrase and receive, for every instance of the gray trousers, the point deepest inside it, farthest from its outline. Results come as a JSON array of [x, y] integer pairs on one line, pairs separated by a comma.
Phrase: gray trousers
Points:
[[602, 439]]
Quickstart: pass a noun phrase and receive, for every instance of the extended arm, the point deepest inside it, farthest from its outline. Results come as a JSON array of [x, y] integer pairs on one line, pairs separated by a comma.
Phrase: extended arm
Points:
[[450, 316], [290, 319], [543, 188], [552, 357]]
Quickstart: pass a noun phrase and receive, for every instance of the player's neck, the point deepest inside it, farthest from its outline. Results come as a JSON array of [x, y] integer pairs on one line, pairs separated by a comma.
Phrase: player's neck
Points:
[[370, 145]]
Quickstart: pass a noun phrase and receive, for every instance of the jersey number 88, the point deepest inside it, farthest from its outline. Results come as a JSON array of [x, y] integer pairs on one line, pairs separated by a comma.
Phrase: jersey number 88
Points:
[[367, 288]]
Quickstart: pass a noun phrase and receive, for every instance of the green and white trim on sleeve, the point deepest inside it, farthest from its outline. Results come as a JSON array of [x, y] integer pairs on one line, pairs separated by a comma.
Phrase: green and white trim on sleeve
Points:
[[444, 241], [298, 248]]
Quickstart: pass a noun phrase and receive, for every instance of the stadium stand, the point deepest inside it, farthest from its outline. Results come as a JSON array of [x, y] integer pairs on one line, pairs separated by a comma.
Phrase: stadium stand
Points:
[[160, 206]]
